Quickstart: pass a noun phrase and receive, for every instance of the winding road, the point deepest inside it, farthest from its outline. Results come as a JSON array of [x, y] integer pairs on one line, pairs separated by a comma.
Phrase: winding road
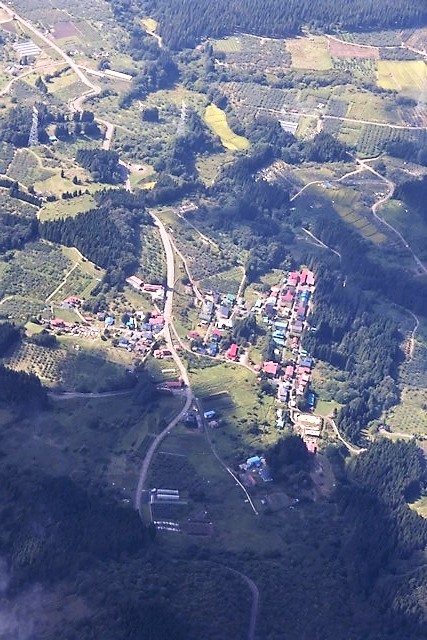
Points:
[[390, 190]]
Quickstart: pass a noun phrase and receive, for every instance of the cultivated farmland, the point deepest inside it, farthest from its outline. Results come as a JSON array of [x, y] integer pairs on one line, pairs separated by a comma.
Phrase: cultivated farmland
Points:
[[408, 77], [216, 120]]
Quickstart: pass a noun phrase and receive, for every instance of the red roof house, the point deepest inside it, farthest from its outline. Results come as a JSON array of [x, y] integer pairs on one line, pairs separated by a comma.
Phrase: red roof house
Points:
[[270, 368], [232, 352], [293, 278], [289, 371]]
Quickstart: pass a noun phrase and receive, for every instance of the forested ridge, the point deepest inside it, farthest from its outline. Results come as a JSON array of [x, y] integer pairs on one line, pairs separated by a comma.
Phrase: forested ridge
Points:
[[107, 235], [347, 551], [184, 23]]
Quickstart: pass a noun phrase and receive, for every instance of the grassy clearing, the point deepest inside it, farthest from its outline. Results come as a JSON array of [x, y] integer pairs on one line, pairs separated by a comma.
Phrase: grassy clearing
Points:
[[420, 506], [409, 416], [228, 45], [98, 440], [150, 24], [216, 120], [247, 420], [409, 76], [66, 208], [208, 167], [409, 223], [310, 53]]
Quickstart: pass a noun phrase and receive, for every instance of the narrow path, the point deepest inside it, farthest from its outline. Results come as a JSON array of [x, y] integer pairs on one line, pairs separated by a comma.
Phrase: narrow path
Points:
[[412, 335], [315, 116], [310, 184], [320, 243], [64, 282], [227, 468], [255, 602], [350, 447], [205, 239], [73, 395]]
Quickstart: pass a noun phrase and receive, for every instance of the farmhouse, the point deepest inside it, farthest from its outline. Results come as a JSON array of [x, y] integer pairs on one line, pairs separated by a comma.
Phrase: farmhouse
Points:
[[135, 282], [270, 368], [232, 352]]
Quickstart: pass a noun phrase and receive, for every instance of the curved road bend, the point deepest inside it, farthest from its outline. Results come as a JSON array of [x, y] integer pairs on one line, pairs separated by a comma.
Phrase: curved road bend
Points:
[[383, 200]]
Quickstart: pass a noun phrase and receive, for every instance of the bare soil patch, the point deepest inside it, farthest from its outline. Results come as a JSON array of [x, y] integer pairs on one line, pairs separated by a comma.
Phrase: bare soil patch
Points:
[[65, 30], [348, 50]]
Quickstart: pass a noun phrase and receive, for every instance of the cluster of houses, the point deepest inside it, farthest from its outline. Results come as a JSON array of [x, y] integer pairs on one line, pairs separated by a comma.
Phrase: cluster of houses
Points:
[[136, 332], [285, 311]]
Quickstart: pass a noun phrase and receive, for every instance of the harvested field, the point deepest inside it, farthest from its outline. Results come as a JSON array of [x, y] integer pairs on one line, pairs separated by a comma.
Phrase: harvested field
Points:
[[410, 76], [310, 53], [339, 49], [65, 30]]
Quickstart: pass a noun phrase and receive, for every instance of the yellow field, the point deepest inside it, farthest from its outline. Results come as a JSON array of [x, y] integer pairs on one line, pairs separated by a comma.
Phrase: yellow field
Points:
[[410, 76], [310, 53], [216, 120], [149, 24]]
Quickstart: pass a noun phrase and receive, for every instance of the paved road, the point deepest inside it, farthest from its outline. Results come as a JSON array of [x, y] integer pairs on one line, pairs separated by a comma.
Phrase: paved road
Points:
[[170, 262]]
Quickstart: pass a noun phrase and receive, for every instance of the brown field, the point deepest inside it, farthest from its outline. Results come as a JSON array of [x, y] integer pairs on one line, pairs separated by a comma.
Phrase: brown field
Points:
[[65, 30], [9, 26], [348, 50]]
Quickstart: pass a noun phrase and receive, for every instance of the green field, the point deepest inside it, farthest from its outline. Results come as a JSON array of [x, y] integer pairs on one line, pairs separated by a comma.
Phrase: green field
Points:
[[216, 120], [409, 416], [408, 77]]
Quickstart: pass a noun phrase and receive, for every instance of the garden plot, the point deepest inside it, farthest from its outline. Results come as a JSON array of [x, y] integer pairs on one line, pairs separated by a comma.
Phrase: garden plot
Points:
[[374, 38], [44, 363], [35, 273], [153, 267], [27, 168]]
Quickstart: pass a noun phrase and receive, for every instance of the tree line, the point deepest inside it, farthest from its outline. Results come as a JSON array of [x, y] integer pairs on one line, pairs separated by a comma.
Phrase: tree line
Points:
[[183, 24]]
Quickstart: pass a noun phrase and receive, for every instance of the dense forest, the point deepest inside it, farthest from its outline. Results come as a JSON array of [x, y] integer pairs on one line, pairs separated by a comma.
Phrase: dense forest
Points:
[[106, 235], [16, 230], [354, 338], [21, 390], [183, 24], [339, 567], [103, 165]]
